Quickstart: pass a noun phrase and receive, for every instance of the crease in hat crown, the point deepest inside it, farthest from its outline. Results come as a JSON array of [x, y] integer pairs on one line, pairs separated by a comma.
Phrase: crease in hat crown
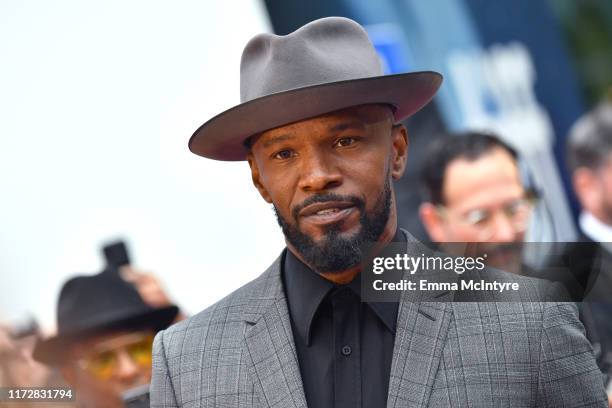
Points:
[[340, 48]]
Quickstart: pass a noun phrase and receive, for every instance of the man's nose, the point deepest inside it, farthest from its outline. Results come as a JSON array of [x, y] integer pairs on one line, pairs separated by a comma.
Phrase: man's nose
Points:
[[319, 174], [502, 228], [127, 369]]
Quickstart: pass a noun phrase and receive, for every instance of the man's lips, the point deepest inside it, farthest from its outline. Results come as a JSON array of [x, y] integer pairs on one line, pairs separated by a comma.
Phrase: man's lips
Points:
[[327, 212], [324, 208]]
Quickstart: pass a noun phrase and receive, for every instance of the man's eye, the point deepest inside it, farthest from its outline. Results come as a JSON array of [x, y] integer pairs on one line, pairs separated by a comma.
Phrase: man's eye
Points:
[[345, 141], [477, 217], [283, 154], [103, 359]]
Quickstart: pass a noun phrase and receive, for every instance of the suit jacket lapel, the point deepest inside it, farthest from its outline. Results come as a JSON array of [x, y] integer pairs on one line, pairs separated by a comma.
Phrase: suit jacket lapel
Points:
[[269, 345], [419, 340], [422, 326]]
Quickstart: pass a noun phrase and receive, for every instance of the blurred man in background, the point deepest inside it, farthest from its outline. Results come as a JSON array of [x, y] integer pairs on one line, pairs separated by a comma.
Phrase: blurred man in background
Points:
[[475, 196], [105, 335], [589, 154]]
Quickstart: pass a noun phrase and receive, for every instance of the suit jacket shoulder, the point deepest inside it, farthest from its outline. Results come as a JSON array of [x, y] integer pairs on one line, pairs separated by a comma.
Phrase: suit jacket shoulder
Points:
[[527, 354], [208, 347]]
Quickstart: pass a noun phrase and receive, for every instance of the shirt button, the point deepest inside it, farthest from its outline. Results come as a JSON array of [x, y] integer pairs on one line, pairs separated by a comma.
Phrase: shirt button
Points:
[[347, 350]]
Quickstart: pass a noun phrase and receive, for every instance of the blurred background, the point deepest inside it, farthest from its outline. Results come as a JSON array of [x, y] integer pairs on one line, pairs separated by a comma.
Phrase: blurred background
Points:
[[98, 100]]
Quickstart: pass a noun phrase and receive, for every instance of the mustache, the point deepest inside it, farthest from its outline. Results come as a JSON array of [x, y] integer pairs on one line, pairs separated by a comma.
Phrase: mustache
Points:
[[326, 197]]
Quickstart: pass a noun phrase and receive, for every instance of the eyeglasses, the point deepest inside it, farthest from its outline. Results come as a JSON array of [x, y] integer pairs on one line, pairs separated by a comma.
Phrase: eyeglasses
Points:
[[104, 364], [481, 220]]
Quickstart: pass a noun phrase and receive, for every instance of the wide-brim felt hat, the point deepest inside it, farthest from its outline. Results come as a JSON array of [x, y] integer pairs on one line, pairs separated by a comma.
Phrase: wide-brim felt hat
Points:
[[324, 66], [99, 304]]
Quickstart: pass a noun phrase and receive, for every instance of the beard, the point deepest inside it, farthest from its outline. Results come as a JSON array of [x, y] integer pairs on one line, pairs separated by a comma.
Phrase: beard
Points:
[[334, 252], [505, 256]]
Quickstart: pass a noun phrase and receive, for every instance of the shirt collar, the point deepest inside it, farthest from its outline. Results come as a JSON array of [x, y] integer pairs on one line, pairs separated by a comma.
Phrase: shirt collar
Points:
[[306, 290], [596, 230]]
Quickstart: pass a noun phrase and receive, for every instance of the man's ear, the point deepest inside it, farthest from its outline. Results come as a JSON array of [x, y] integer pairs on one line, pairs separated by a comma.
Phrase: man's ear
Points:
[[399, 134], [432, 222], [256, 177]]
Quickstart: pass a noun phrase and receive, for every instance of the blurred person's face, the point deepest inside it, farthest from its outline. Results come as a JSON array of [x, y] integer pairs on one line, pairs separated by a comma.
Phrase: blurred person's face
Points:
[[329, 180], [484, 202], [101, 369], [594, 190]]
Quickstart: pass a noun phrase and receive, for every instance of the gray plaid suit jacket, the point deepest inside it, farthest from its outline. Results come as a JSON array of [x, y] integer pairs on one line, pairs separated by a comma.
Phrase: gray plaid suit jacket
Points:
[[240, 353]]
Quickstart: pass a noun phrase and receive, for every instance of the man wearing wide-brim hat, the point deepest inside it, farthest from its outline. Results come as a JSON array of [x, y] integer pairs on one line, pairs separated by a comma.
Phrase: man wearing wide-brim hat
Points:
[[105, 333], [319, 127]]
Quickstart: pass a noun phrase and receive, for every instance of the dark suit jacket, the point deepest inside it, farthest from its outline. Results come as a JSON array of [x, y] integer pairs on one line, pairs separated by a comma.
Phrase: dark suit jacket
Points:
[[591, 264]]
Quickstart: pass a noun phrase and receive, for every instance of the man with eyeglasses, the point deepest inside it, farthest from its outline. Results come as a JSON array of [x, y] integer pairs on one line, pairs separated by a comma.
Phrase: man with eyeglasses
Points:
[[105, 336], [475, 196]]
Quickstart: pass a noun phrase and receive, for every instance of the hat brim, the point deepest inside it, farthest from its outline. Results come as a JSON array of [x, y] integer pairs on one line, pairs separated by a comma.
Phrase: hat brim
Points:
[[54, 350], [222, 137]]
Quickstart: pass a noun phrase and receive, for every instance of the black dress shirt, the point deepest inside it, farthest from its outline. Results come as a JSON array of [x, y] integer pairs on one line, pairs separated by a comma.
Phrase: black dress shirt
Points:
[[344, 346]]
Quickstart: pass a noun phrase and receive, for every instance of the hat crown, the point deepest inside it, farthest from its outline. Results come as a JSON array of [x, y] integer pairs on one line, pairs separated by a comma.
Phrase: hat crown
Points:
[[101, 298], [327, 50]]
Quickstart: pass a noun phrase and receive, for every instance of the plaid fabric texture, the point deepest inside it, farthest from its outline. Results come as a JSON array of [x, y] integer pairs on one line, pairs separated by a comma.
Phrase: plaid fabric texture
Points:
[[240, 353]]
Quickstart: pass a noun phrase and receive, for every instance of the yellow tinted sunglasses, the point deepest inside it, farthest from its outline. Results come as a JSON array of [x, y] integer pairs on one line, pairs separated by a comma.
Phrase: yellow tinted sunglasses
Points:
[[103, 364]]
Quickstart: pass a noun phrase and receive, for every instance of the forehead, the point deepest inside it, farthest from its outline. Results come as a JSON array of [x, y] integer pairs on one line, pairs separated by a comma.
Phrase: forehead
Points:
[[491, 179], [353, 117]]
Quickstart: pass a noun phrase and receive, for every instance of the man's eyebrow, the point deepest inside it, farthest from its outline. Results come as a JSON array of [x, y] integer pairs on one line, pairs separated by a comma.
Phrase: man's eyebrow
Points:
[[277, 139], [347, 125], [355, 124]]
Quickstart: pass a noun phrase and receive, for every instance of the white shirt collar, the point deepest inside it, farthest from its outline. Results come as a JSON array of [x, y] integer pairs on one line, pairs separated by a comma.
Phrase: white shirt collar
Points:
[[596, 230]]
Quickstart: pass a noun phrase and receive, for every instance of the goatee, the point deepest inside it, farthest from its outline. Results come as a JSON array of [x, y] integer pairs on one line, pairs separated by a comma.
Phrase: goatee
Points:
[[334, 252]]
